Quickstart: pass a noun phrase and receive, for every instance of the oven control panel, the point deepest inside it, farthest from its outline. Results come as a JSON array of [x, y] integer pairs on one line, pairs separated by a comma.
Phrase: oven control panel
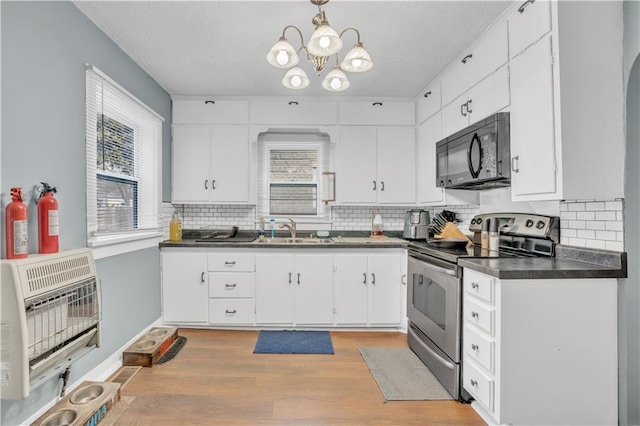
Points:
[[521, 224]]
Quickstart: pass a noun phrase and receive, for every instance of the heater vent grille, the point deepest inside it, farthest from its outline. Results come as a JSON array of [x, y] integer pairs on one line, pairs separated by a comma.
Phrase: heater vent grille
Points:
[[49, 275]]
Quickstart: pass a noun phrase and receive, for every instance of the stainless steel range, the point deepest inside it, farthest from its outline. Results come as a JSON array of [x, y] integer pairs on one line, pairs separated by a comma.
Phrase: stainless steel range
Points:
[[434, 294]]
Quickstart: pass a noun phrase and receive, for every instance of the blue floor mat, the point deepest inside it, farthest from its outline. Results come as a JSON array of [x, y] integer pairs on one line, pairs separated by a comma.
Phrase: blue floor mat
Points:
[[294, 342]]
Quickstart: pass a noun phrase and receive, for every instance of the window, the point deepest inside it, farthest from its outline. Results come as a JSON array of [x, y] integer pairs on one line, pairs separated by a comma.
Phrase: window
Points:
[[290, 171], [123, 162]]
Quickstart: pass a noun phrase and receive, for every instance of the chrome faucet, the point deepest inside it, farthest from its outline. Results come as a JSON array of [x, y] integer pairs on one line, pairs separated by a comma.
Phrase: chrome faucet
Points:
[[291, 227]]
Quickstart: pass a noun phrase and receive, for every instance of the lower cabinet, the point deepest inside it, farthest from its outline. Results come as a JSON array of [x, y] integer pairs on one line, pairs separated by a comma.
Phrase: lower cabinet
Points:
[[232, 286], [541, 351], [184, 286], [368, 289], [294, 288]]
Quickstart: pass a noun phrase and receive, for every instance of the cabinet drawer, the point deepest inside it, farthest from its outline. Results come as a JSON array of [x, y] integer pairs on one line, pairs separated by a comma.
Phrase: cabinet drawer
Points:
[[481, 60], [294, 112], [378, 113], [210, 111], [479, 348], [480, 316], [231, 311], [479, 385], [429, 102], [527, 24], [228, 262], [229, 284], [479, 285]]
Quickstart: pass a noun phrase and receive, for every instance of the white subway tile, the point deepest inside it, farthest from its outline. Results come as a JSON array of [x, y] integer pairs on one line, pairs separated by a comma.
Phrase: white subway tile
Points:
[[620, 216], [613, 205], [564, 207], [595, 206], [568, 215], [569, 233], [578, 242], [574, 207], [596, 244], [597, 225], [577, 224], [585, 215], [606, 235], [608, 215], [613, 226], [564, 240], [586, 234], [620, 236], [615, 245]]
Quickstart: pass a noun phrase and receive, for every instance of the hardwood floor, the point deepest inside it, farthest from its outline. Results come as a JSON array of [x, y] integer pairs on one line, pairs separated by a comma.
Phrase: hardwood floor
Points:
[[217, 380]]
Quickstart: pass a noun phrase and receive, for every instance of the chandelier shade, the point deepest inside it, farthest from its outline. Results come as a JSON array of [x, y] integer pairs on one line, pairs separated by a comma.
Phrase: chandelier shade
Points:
[[282, 55], [295, 79], [324, 43]]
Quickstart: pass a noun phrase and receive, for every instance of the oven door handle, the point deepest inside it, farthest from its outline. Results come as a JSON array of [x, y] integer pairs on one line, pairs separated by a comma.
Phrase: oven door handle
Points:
[[435, 355], [427, 265]]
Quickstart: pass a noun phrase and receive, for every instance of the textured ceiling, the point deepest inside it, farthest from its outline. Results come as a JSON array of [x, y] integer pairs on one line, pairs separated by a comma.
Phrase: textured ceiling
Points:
[[219, 47]]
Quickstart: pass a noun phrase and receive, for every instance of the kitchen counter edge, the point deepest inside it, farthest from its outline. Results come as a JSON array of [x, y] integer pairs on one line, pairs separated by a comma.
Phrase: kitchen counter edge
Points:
[[193, 244]]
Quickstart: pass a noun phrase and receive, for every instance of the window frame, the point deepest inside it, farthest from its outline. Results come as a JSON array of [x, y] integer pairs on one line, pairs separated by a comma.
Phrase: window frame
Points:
[[112, 243]]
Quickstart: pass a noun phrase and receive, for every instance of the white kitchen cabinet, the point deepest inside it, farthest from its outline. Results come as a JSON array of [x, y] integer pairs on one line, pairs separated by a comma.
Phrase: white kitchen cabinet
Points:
[[376, 165], [210, 164], [377, 113], [294, 288], [429, 102], [487, 97], [567, 138], [294, 112], [540, 351], [184, 287], [231, 287], [477, 62], [210, 111], [528, 24], [368, 288], [429, 134]]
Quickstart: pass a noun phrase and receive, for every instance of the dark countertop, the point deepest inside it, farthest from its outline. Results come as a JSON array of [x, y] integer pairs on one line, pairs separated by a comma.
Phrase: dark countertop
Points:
[[570, 262]]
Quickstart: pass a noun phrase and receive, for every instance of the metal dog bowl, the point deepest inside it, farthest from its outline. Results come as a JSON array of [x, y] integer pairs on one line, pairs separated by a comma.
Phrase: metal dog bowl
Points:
[[145, 344], [159, 332], [86, 394], [60, 418]]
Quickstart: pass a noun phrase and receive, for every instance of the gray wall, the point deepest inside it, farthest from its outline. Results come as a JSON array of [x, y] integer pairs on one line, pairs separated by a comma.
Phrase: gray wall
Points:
[[45, 46], [629, 294]]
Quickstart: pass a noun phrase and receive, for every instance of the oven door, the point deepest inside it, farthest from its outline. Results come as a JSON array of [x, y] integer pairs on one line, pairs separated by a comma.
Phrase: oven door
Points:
[[433, 302]]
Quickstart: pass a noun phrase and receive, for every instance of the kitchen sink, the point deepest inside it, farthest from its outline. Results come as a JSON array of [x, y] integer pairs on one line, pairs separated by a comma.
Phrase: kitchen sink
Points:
[[283, 240]]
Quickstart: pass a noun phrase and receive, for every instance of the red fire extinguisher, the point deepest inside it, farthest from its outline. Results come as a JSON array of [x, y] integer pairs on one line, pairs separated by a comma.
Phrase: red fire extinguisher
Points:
[[16, 230], [48, 224]]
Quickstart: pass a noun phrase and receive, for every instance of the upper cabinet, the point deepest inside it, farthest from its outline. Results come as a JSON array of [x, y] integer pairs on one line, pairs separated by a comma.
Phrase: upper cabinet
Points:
[[429, 102], [377, 113], [294, 112], [482, 59], [567, 138], [210, 111], [376, 165]]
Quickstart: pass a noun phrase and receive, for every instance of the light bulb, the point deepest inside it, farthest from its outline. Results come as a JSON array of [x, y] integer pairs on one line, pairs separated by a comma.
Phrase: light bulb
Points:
[[324, 42], [335, 83], [296, 81], [282, 57], [357, 63]]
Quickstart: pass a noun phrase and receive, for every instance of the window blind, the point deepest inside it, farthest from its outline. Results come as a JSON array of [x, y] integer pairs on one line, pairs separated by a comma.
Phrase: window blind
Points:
[[123, 148]]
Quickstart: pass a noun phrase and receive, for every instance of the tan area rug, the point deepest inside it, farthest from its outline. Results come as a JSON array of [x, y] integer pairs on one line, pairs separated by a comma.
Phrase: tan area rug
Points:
[[401, 376]]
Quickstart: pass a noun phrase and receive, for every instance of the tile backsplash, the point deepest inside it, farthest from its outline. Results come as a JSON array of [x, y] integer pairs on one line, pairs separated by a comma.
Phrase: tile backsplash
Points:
[[583, 223]]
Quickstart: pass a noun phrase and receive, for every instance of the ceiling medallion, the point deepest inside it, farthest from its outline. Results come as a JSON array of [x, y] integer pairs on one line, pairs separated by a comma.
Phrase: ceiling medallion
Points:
[[324, 43]]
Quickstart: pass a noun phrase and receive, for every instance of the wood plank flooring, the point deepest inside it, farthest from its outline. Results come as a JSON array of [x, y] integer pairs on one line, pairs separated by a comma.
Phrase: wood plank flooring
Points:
[[216, 379]]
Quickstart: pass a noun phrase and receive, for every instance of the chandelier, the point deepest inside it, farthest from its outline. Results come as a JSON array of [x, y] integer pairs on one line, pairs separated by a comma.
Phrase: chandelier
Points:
[[324, 43]]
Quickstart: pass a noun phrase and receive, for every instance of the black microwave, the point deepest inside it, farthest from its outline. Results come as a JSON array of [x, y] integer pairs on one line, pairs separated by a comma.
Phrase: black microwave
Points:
[[476, 157]]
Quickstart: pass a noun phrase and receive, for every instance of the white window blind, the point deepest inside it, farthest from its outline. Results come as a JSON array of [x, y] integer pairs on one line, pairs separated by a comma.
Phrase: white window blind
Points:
[[290, 167], [123, 160]]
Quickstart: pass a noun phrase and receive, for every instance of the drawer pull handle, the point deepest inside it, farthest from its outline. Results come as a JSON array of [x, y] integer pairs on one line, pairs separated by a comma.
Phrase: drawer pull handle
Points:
[[202, 278], [205, 184], [474, 285], [515, 166], [426, 95], [524, 5], [298, 278], [228, 312], [474, 347], [377, 104], [364, 278], [227, 263], [474, 314], [289, 277], [293, 103], [474, 383], [230, 285], [466, 58], [468, 104], [209, 102], [373, 278]]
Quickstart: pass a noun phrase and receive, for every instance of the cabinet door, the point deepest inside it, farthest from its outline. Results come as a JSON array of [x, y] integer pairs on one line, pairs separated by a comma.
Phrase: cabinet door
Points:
[[314, 289], [274, 288], [351, 282], [294, 112], [230, 164], [429, 102], [397, 165], [378, 113], [357, 181], [532, 122], [527, 24], [429, 133], [184, 287], [190, 181], [385, 273], [489, 96], [210, 111], [455, 116]]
